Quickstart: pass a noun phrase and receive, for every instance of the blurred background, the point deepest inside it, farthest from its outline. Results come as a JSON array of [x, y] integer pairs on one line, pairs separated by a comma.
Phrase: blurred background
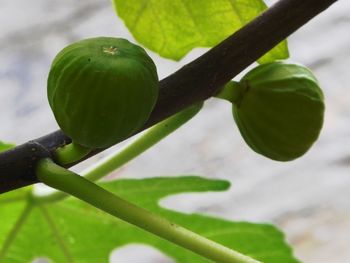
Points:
[[307, 198]]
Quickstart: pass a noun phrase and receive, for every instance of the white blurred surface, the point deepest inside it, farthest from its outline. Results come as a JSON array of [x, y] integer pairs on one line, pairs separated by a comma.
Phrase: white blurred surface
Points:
[[307, 198]]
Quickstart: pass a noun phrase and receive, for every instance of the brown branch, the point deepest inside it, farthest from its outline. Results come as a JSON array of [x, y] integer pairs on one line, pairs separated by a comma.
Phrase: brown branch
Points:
[[196, 81]]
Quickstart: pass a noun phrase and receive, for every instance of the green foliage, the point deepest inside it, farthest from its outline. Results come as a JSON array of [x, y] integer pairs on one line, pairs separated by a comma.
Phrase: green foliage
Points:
[[173, 28], [5, 146], [71, 231]]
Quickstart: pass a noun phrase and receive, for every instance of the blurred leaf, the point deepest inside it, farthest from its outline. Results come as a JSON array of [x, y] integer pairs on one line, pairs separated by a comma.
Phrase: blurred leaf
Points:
[[5, 146], [173, 28], [72, 231]]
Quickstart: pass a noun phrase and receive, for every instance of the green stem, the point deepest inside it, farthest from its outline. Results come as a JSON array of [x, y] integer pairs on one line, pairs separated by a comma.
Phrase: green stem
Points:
[[233, 92], [57, 177], [140, 145], [146, 141], [70, 153]]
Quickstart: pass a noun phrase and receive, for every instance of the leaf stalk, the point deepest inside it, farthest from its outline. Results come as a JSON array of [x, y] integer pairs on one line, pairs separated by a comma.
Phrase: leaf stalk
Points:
[[64, 180]]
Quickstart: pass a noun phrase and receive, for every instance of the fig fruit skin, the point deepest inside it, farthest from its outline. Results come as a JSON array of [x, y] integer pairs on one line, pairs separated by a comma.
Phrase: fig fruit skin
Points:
[[280, 113], [102, 90]]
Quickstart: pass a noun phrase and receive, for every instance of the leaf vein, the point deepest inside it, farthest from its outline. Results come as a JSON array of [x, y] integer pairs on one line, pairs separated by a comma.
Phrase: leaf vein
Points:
[[14, 231], [56, 233]]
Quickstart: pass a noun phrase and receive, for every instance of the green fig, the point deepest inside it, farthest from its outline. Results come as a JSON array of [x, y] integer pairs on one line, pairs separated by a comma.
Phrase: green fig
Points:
[[279, 109], [102, 90]]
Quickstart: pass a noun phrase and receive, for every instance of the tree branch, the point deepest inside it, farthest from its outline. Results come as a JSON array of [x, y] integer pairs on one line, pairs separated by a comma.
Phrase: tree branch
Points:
[[196, 81]]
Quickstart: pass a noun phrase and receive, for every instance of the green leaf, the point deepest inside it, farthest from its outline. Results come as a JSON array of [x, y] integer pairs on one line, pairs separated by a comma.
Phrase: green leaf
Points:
[[5, 146], [72, 231], [173, 28]]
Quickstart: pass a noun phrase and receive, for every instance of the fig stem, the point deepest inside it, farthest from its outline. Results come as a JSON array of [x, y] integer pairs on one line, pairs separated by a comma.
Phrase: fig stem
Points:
[[233, 92], [141, 144], [64, 180], [70, 153], [149, 138]]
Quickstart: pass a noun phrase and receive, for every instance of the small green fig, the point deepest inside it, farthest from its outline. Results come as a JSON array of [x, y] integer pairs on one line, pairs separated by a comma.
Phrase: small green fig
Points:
[[102, 90], [279, 110]]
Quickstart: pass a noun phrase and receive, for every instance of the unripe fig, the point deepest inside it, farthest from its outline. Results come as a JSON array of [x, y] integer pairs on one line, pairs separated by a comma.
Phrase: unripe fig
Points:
[[102, 90], [279, 110]]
